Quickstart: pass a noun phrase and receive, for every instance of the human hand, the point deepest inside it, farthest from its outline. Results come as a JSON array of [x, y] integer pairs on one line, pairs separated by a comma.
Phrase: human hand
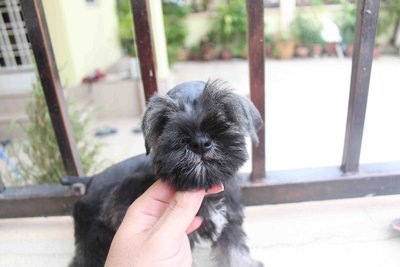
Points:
[[154, 230]]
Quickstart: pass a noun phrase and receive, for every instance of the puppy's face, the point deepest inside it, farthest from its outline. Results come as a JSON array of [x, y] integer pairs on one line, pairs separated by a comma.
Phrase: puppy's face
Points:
[[197, 134]]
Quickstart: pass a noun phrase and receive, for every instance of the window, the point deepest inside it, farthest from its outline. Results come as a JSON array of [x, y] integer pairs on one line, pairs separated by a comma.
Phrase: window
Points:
[[91, 2], [14, 44]]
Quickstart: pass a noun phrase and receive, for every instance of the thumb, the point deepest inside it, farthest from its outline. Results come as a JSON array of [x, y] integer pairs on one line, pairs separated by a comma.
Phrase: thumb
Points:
[[179, 215]]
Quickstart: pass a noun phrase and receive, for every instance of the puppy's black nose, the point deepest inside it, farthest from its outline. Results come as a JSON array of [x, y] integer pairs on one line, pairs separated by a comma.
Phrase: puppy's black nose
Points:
[[200, 144]]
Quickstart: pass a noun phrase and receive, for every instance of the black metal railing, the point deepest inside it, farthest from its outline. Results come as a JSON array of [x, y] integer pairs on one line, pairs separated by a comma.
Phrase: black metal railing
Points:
[[348, 180]]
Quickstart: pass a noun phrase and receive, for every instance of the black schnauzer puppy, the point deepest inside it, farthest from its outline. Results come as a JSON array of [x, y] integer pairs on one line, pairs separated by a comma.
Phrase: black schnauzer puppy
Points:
[[195, 138]]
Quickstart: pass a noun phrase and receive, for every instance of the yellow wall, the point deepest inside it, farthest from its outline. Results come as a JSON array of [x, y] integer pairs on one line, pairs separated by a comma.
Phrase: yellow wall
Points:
[[84, 36], [159, 40], [56, 24], [198, 25]]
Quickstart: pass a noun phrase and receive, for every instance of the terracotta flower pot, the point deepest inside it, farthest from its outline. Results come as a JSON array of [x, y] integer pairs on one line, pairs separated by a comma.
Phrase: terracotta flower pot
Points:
[[209, 54], [225, 54], [317, 50], [182, 54], [377, 51], [284, 49], [302, 51], [268, 50], [349, 50], [331, 49]]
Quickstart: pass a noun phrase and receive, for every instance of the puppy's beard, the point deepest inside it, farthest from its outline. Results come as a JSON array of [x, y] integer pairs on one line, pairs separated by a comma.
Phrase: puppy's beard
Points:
[[187, 170]]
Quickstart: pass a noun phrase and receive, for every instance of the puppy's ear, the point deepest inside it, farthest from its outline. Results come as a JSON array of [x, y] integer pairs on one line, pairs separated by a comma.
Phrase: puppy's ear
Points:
[[238, 109], [159, 108], [249, 118]]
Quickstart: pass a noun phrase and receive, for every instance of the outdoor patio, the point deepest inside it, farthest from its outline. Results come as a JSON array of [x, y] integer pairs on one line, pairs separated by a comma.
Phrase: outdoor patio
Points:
[[306, 103], [316, 146], [306, 109]]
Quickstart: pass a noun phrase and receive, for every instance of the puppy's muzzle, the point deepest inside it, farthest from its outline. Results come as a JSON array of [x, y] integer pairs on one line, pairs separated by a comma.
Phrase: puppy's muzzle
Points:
[[200, 144]]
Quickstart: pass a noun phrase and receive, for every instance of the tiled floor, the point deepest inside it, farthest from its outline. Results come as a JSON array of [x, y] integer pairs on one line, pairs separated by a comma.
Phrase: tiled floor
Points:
[[348, 233], [306, 110]]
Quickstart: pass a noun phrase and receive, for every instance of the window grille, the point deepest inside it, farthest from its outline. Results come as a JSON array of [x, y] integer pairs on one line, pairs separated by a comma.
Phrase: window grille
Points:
[[14, 43]]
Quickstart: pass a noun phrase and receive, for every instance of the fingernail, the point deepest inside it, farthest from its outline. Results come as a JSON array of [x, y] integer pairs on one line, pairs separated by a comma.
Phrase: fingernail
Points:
[[217, 188]]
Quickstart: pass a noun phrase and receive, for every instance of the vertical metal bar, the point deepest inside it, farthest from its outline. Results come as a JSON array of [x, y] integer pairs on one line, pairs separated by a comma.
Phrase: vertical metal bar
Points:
[[2, 186], [141, 18], [364, 42], [255, 21], [40, 41]]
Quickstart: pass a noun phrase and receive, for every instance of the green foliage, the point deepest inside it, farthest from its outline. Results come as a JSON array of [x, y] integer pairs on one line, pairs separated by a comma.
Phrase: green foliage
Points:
[[175, 28], [43, 163], [229, 30], [385, 20], [306, 29], [392, 6], [200, 7], [125, 26], [195, 52], [389, 14], [390, 9], [346, 20]]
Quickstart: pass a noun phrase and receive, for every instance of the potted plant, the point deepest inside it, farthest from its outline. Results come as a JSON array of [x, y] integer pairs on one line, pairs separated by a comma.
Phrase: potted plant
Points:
[[389, 19], [176, 30], [40, 147], [299, 31], [268, 45], [229, 29], [347, 25], [284, 46], [195, 52], [208, 52], [390, 9], [306, 30], [315, 38], [125, 30]]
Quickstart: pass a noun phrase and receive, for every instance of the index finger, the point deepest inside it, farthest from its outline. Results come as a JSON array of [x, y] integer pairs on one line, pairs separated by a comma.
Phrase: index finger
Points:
[[146, 209], [179, 215]]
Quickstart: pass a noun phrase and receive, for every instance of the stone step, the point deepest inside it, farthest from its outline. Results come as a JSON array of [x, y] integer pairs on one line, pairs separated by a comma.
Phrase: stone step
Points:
[[12, 114], [14, 103], [11, 125]]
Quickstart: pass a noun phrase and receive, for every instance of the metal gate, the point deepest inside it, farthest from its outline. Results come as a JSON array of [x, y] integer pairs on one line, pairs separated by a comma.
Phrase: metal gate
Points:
[[260, 187]]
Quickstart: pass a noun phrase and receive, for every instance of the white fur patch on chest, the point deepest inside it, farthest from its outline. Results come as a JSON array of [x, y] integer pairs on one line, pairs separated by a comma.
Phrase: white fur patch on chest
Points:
[[217, 213]]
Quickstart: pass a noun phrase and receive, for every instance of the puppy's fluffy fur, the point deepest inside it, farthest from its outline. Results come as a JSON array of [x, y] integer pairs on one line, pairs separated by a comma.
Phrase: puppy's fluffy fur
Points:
[[195, 138]]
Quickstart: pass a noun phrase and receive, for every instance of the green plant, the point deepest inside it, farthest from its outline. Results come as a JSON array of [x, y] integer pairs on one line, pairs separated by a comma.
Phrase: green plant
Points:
[[200, 7], [229, 29], [389, 14], [280, 37], [38, 159], [346, 20], [306, 29], [268, 40], [175, 28], [194, 52], [282, 45], [125, 26]]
